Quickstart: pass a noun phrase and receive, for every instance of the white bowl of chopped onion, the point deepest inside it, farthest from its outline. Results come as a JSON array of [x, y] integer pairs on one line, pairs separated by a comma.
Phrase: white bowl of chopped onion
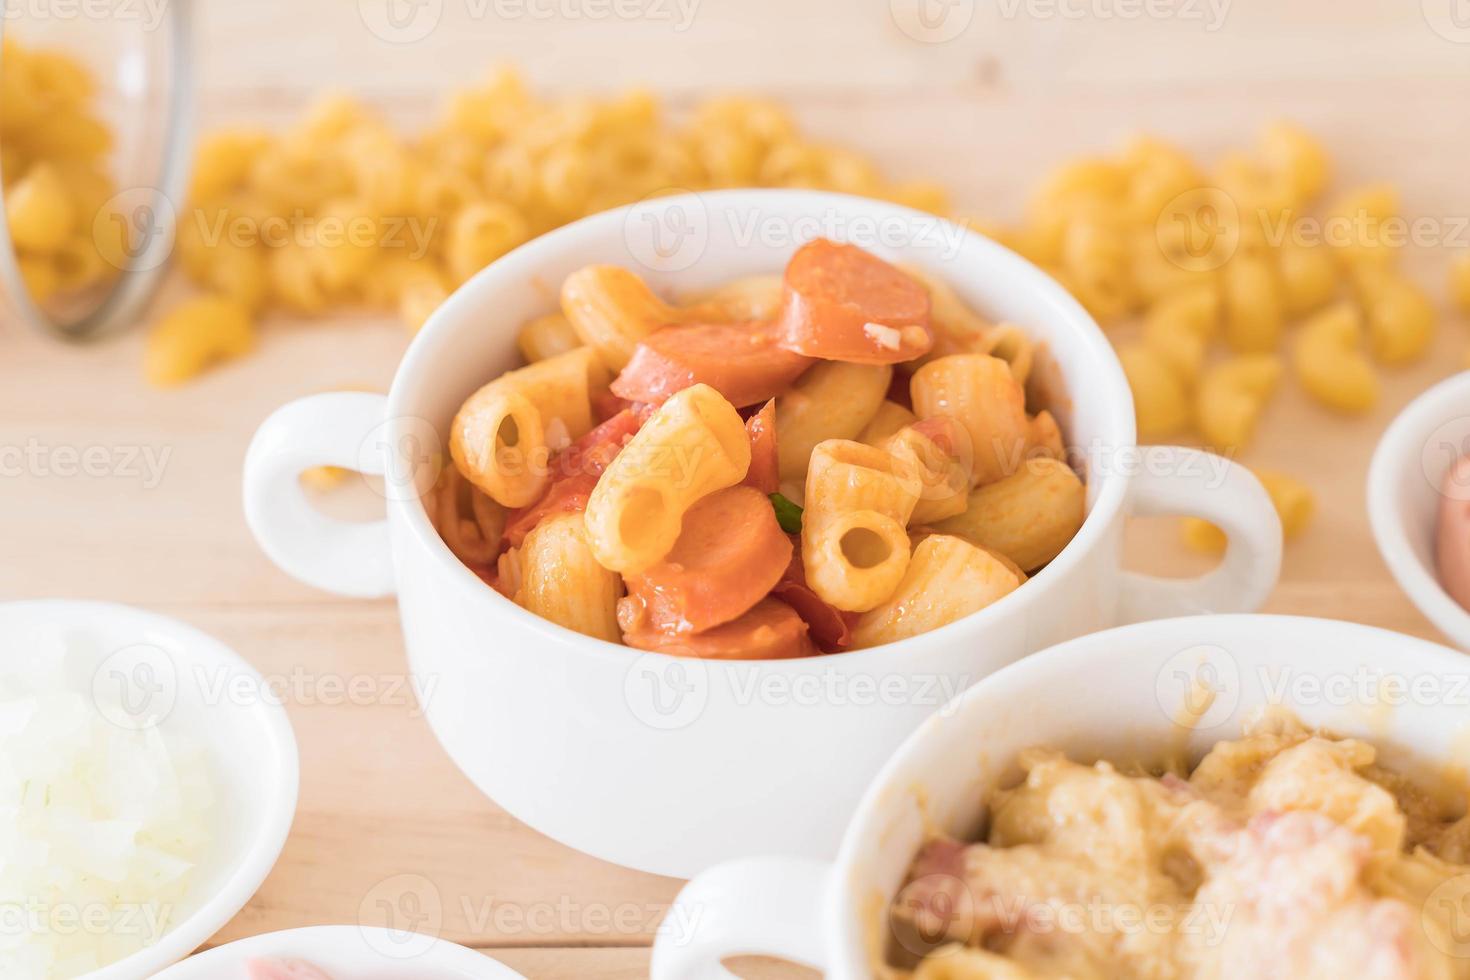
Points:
[[340, 953], [148, 781]]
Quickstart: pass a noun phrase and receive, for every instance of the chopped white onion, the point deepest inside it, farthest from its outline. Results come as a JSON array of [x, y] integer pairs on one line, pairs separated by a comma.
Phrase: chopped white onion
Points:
[[101, 826]]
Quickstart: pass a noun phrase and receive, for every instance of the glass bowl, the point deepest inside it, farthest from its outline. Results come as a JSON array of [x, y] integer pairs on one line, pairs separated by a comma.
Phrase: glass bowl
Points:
[[138, 57]]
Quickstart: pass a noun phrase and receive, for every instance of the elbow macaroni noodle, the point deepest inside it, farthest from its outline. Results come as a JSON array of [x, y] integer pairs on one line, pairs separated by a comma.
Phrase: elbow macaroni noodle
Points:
[[1231, 397], [833, 400], [547, 336], [1331, 363], [854, 535], [560, 579], [504, 434], [54, 146], [947, 579], [612, 309], [497, 168], [980, 392], [938, 469], [693, 445], [1029, 516]]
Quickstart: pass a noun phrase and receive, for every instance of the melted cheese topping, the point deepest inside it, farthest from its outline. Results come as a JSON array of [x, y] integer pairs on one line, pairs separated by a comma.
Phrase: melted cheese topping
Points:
[[1285, 854]]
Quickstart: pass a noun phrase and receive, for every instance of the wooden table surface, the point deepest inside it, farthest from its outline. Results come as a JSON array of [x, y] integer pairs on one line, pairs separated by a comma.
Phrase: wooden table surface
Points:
[[382, 809]]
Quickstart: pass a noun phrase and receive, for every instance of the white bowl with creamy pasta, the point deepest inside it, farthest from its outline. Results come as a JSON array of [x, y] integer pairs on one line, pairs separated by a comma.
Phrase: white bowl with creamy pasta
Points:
[[1408, 499], [671, 763], [1305, 857]]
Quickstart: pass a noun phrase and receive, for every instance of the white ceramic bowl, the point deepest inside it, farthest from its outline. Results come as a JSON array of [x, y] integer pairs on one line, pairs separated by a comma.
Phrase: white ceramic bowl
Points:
[[1115, 694], [190, 684], [1404, 496], [347, 953], [670, 765]]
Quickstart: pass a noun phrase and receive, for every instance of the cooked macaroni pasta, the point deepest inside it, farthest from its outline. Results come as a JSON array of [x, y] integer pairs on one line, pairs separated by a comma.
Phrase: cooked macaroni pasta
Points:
[[854, 536], [504, 434], [834, 400], [612, 309], [559, 579], [1029, 516], [693, 445], [547, 336], [947, 579], [726, 496], [981, 393]]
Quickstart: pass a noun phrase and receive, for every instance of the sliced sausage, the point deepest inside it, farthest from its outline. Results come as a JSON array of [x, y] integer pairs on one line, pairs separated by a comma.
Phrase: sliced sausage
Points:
[[765, 464], [1452, 537], [729, 554], [842, 304], [771, 630], [574, 472], [739, 360]]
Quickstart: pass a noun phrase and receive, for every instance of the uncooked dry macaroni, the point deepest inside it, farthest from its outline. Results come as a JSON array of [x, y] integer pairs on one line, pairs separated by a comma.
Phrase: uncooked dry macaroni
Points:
[[53, 153], [341, 210]]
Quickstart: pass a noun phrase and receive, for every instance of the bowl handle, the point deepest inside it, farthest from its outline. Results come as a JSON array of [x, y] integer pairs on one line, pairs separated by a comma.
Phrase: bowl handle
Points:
[[1189, 482], [351, 559], [767, 906]]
